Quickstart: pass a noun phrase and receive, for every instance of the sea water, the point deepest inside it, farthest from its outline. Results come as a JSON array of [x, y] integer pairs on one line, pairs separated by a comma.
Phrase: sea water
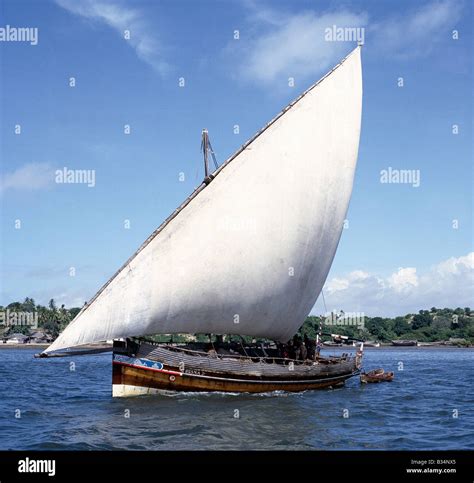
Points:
[[66, 404]]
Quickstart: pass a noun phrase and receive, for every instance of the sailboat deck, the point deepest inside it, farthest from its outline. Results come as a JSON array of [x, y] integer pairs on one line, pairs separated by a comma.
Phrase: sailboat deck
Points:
[[246, 366]]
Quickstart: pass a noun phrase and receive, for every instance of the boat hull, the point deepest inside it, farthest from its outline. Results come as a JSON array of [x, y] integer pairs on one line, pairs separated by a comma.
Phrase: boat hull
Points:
[[405, 343], [129, 381], [384, 377], [134, 374]]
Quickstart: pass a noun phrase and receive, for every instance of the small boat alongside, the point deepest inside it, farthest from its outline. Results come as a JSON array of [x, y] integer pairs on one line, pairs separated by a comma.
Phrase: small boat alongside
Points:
[[377, 375]]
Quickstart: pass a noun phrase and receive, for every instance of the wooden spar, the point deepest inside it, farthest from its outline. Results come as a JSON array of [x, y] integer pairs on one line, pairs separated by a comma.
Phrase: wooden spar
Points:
[[340, 336], [74, 352], [205, 149]]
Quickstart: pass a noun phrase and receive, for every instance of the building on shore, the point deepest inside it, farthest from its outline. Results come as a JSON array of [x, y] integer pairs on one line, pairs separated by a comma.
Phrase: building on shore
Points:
[[40, 337], [17, 339]]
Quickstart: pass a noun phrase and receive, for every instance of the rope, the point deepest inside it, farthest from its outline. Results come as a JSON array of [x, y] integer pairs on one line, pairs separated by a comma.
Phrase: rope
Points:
[[212, 153], [206, 147], [242, 345], [324, 301], [320, 332]]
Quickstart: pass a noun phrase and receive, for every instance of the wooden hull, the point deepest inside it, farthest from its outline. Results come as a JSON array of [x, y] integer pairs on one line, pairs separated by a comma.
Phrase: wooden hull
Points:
[[375, 377], [140, 376], [404, 343], [129, 381]]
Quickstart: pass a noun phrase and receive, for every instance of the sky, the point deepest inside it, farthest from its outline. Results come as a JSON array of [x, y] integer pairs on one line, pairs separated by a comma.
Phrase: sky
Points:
[[124, 88]]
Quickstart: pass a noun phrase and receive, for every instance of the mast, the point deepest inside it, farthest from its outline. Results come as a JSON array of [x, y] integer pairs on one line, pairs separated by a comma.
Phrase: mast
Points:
[[206, 148]]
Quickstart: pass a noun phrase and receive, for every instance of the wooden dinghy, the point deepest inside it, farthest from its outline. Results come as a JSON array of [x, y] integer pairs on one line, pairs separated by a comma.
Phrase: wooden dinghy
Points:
[[404, 343], [377, 375], [144, 368], [369, 343]]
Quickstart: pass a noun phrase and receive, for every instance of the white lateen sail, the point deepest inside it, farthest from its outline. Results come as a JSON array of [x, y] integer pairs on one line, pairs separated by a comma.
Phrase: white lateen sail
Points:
[[249, 252]]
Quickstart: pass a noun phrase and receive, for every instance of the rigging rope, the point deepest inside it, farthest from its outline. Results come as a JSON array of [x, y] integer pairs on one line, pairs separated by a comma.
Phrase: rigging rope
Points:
[[324, 301], [206, 147], [212, 153]]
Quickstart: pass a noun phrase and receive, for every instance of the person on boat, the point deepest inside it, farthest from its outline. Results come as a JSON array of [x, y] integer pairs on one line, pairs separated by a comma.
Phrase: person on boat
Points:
[[303, 351], [307, 345], [279, 347], [311, 348], [291, 349], [283, 351], [211, 351], [318, 349], [234, 349], [297, 347]]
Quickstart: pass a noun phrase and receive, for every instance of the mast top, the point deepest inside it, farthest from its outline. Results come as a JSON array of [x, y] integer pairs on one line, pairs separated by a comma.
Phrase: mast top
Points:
[[206, 150]]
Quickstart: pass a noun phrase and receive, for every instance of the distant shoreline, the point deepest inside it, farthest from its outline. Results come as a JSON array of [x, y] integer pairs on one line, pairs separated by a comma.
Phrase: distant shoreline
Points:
[[440, 346], [23, 346], [44, 346]]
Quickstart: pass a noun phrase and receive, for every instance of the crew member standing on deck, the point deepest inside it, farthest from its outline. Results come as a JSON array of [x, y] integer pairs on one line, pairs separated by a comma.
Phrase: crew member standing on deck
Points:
[[303, 351]]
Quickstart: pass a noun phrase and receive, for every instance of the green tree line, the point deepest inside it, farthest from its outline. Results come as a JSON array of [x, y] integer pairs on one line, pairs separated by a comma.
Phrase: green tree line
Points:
[[52, 319], [432, 325]]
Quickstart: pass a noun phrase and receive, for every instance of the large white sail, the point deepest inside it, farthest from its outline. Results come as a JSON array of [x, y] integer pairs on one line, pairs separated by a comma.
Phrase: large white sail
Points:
[[248, 253]]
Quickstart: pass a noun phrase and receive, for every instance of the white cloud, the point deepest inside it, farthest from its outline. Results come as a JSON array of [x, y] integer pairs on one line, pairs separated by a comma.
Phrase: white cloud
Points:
[[276, 45], [404, 279], [415, 33], [455, 266], [450, 283], [121, 18], [293, 45], [353, 278], [30, 177]]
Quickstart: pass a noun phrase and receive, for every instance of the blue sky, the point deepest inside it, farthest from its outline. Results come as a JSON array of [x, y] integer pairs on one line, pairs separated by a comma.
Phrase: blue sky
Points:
[[405, 247]]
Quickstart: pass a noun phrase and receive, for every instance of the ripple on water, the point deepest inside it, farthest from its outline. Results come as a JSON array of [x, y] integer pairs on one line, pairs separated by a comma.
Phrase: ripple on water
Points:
[[63, 409]]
